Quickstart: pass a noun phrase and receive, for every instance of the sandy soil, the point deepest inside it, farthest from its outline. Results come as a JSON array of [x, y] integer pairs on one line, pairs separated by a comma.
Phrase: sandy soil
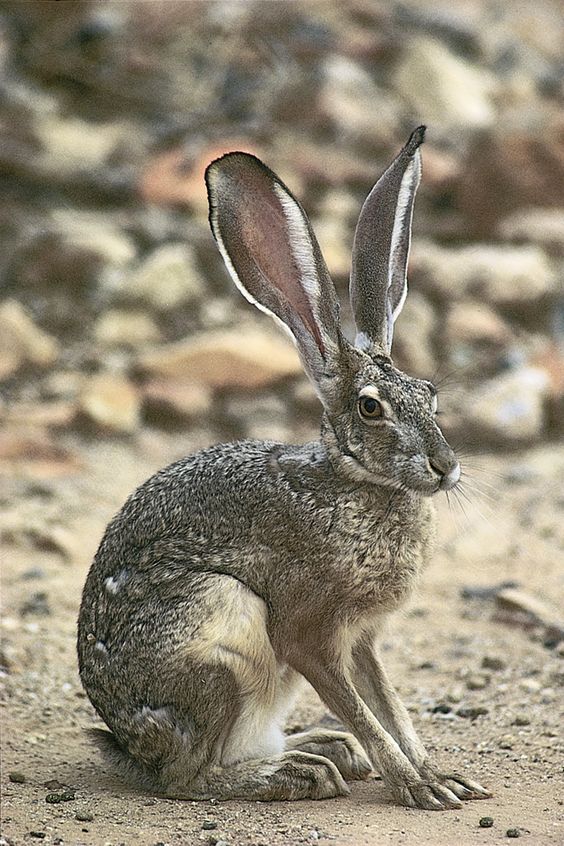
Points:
[[434, 651]]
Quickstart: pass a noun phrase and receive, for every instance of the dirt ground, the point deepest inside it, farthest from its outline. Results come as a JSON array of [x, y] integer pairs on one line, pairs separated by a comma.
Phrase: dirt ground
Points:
[[435, 652]]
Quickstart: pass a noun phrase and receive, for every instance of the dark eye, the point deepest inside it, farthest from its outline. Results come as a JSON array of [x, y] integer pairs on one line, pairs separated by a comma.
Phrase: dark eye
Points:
[[370, 408]]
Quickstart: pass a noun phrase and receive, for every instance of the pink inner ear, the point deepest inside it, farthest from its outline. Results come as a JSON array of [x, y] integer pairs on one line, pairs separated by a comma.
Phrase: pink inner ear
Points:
[[264, 231]]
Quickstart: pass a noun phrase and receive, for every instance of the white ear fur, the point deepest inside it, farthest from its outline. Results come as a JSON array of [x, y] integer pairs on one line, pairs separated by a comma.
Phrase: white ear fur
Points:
[[274, 259], [382, 240]]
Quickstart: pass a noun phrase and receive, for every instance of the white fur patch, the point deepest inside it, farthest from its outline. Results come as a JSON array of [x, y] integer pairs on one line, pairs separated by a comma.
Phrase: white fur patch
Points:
[[402, 222], [100, 646]]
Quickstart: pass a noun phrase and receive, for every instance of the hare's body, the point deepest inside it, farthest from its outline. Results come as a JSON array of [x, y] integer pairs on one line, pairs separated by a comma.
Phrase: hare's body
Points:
[[231, 575], [234, 601]]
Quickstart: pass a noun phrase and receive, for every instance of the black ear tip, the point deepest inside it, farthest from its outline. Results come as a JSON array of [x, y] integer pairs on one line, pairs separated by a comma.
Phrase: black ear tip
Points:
[[415, 140]]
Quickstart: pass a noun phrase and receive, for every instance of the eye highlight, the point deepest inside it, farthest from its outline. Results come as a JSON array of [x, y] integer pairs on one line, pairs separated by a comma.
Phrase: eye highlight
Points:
[[370, 408]]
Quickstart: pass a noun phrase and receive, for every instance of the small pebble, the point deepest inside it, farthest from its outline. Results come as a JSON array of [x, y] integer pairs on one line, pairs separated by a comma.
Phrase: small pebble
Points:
[[472, 712], [208, 825], [55, 798], [39, 834], [486, 822], [521, 720], [492, 662], [513, 832], [17, 777], [84, 816], [477, 681], [506, 742]]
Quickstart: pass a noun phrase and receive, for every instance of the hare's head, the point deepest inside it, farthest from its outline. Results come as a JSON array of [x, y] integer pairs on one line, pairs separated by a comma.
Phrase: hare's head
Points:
[[379, 424]]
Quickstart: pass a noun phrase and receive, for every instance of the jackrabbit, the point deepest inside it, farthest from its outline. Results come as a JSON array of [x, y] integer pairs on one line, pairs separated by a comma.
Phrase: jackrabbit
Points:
[[233, 574]]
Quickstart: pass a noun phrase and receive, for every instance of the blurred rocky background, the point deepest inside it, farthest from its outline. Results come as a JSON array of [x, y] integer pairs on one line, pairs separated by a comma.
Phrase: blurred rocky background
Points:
[[117, 317]]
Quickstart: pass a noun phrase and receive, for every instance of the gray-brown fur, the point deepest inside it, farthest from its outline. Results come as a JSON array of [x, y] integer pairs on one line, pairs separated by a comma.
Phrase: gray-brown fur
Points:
[[233, 574]]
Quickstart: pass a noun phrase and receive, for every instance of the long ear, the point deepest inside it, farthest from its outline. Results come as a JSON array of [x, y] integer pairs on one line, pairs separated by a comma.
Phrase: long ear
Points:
[[381, 249], [271, 252]]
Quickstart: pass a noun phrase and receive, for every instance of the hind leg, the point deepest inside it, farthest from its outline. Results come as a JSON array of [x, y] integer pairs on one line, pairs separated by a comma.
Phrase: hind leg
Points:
[[341, 748], [292, 775]]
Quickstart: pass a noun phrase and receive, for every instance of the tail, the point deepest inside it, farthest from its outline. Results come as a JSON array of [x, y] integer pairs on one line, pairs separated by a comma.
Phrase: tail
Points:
[[119, 759]]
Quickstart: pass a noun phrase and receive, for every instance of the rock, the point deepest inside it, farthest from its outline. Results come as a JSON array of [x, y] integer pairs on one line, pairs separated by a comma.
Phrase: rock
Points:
[[172, 401], [506, 742], [167, 278], [521, 720], [485, 591], [486, 822], [35, 454], [473, 711], [477, 681], [248, 358], [73, 144], [510, 407], [536, 226], [516, 166], [493, 662], [530, 685], [415, 335], [37, 604], [347, 98], [520, 603], [117, 328], [84, 816], [22, 342], [95, 233], [513, 832], [263, 417], [209, 825], [16, 777], [515, 276], [335, 246], [40, 414], [110, 403], [447, 91], [470, 322]]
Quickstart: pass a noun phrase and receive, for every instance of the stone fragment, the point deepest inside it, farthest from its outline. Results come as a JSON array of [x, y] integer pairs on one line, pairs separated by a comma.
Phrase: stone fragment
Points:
[[510, 407], [22, 342], [536, 226], [120, 328], [415, 335], [524, 607], [167, 278], [493, 662], [477, 681], [249, 358], [170, 401], [499, 275], [449, 91], [347, 98], [110, 403], [475, 323]]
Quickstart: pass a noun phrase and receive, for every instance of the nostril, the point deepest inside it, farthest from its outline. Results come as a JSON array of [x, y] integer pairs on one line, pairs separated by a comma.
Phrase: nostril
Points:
[[435, 465], [448, 470]]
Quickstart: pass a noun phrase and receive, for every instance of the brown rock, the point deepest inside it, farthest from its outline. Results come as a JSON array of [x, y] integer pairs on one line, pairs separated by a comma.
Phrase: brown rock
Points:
[[168, 277], [511, 169], [536, 226], [251, 358], [110, 403], [500, 275], [22, 342], [116, 328], [36, 455], [447, 89], [173, 400], [474, 323]]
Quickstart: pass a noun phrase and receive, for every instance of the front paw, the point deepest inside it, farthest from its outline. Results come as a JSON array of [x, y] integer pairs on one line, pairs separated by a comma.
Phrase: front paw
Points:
[[428, 795], [462, 787]]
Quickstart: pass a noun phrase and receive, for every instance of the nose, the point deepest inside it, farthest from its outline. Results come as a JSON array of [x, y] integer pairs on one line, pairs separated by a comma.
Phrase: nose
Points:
[[448, 468]]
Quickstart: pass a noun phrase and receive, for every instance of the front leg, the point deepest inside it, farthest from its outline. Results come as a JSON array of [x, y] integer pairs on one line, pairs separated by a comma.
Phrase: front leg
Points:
[[325, 671], [374, 686]]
